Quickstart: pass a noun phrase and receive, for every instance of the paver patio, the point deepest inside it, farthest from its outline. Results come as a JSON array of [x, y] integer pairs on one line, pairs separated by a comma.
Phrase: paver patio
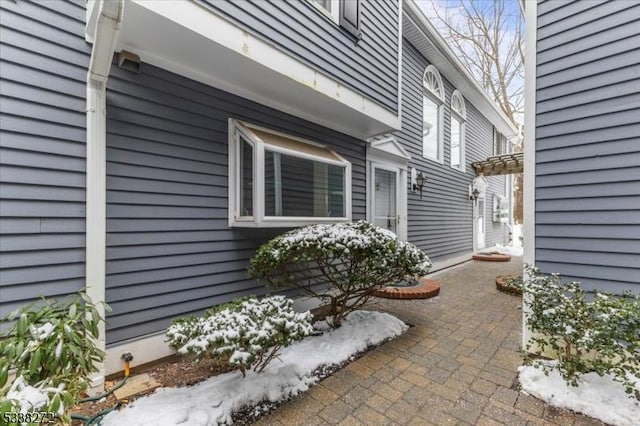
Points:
[[456, 365]]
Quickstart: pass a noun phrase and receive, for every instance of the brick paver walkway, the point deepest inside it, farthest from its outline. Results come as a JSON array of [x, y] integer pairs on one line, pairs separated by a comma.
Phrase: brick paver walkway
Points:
[[457, 365]]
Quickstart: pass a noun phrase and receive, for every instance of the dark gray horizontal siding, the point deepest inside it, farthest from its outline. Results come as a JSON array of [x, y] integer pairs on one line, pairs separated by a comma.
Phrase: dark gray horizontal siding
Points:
[[170, 251], [441, 222], [369, 65], [561, 23], [43, 66], [587, 146]]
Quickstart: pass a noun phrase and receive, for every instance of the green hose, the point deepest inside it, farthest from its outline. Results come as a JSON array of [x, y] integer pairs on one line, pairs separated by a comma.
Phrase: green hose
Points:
[[96, 419], [93, 420], [107, 393]]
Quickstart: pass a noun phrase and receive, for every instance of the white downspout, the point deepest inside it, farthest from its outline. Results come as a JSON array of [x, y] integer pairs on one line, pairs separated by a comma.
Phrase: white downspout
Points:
[[107, 28]]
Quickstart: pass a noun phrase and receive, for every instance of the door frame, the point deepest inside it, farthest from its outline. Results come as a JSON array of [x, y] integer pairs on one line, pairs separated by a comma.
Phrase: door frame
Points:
[[476, 230], [388, 154], [480, 183], [401, 230]]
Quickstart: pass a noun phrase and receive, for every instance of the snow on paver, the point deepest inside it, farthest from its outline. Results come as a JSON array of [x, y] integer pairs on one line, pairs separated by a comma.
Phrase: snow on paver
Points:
[[510, 250], [213, 401], [598, 397]]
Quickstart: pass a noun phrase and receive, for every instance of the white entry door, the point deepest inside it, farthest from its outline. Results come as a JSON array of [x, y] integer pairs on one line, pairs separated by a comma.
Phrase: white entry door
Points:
[[387, 185], [385, 199], [479, 223]]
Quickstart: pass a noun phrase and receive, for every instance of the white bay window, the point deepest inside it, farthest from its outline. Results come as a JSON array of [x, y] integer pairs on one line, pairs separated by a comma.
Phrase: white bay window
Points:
[[277, 180]]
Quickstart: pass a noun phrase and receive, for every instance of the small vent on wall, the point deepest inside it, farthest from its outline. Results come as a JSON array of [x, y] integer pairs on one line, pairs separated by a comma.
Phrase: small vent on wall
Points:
[[129, 61]]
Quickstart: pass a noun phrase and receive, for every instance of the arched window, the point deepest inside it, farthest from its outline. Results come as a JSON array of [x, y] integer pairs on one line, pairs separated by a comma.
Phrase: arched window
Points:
[[433, 82], [432, 116], [458, 118], [457, 104]]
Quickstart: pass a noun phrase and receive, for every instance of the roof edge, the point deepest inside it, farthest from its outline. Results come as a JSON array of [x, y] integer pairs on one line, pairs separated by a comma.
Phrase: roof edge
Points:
[[457, 72]]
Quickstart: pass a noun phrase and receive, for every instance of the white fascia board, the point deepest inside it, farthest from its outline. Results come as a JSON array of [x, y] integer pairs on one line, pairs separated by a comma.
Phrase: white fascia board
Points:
[[530, 136], [448, 64], [191, 23], [529, 181]]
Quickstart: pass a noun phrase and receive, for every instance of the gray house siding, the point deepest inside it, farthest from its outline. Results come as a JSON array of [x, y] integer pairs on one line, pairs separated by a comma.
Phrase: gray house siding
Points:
[[369, 65], [496, 233], [587, 143], [441, 222], [43, 67], [169, 248]]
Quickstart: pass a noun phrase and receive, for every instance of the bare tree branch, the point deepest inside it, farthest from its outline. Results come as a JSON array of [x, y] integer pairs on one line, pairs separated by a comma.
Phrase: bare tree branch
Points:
[[490, 44]]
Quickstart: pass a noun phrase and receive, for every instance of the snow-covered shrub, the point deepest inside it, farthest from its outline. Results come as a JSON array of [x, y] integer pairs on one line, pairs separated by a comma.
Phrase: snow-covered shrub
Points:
[[587, 333], [341, 264], [38, 404], [248, 332], [50, 346]]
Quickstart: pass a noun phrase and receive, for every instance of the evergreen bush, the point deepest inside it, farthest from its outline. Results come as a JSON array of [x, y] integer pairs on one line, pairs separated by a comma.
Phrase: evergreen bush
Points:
[[597, 332], [50, 347], [247, 333], [341, 264]]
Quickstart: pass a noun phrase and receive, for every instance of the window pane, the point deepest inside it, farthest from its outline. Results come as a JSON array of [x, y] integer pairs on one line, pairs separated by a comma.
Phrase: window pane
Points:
[[385, 199], [456, 138], [298, 187], [326, 4], [430, 129], [246, 178], [500, 145]]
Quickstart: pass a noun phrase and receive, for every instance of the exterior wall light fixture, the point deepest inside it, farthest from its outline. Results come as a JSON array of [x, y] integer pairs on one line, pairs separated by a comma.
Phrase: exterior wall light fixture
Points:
[[473, 195], [418, 182]]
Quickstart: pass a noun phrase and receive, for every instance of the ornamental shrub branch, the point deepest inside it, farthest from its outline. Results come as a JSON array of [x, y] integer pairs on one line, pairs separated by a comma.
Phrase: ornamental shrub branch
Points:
[[245, 333], [341, 264], [588, 332]]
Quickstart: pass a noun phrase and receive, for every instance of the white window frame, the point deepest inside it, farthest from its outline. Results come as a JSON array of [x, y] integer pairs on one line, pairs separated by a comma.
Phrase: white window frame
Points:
[[333, 12], [433, 89], [501, 145], [259, 219], [458, 113]]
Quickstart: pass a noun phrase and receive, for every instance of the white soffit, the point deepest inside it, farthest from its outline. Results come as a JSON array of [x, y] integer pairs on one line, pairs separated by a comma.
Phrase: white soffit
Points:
[[426, 39], [189, 39]]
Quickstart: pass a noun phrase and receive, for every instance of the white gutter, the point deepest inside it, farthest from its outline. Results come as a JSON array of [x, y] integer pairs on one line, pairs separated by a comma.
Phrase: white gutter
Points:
[[105, 35]]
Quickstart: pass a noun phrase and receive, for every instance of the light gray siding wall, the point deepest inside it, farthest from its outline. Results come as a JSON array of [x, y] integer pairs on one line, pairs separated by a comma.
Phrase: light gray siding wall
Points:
[[169, 249], [441, 222], [369, 65], [588, 143], [495, 232], [43, 67]]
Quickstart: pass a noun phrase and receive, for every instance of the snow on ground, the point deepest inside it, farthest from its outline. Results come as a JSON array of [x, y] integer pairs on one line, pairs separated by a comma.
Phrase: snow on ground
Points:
[[516, 234], [510, 250], [214, 400], [596, 396]]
